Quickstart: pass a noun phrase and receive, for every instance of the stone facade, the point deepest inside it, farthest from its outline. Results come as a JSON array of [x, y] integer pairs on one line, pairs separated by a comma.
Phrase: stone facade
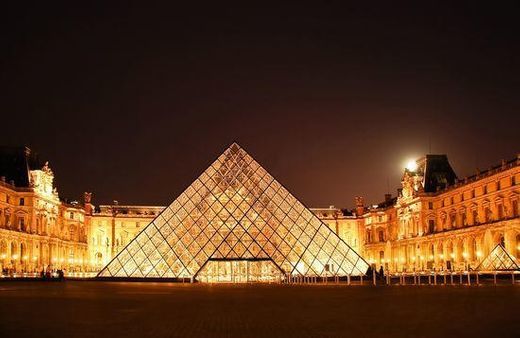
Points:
[[436, 221], [37, 230], [454, 227]]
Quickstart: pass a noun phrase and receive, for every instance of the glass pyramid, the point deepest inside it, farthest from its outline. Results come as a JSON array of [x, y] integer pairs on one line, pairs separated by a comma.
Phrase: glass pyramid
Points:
[[235, 211], [498, 260]]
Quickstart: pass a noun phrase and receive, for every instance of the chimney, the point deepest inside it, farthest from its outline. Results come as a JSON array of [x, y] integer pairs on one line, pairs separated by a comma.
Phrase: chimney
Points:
[[87, 198], [360, 205]]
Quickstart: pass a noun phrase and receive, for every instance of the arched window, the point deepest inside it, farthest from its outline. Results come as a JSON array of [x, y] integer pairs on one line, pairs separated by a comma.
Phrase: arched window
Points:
[[518, 246]]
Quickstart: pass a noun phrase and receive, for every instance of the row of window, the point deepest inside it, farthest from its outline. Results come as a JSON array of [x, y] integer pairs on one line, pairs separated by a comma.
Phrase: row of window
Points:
[[472, 194]]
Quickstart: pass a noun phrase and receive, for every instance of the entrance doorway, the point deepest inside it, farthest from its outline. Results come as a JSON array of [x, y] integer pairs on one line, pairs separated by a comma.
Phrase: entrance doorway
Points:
[[239, 271]]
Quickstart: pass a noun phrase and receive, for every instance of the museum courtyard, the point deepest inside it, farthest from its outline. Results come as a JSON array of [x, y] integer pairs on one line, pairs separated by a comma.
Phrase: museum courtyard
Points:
[[130, 309]]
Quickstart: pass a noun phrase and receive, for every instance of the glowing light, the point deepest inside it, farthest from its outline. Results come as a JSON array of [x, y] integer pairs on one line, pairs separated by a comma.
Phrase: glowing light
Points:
[[235, 168], [441, 256], [431, 257], [54, 259], [3, 256], [452, 255], [479, 254], [411, 165], [422, 258], [465, 254], [25, 257], [15, 256], [35, 258]]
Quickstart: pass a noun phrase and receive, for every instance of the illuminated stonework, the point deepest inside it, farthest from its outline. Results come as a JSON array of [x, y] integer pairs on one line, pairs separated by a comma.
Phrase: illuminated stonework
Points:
[[235, 223]]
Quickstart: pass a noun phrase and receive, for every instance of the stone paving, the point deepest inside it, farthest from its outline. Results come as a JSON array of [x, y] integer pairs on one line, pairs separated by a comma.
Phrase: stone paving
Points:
[[115, 309]]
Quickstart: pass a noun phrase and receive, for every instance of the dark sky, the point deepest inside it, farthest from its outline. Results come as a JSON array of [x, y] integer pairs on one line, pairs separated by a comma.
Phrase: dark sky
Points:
[[132, 103]]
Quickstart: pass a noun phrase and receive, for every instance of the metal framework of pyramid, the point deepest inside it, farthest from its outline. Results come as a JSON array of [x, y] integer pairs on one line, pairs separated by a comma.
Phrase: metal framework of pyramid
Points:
[[235, 210], [498, 260]]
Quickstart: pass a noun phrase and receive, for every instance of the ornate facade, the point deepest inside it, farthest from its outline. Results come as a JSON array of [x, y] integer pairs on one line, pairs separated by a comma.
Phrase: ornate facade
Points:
[[435, 221], [37, 230], [440, 222]]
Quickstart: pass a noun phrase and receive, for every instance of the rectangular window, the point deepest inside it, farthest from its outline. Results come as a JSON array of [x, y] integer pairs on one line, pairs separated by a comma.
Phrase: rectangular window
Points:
[[430, 205], [475, 217], [71, 215], [431, 226], [22, 201], [381, 236], [513, 180], [500, 211], [484, 189], [453, 219], [498, 185]]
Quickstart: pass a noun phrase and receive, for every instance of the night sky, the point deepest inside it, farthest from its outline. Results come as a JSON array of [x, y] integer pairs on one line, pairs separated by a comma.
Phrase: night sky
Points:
[[133, 103]]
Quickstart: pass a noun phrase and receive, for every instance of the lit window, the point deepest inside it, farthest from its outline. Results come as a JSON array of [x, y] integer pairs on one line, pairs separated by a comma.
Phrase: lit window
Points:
[[22, 201]]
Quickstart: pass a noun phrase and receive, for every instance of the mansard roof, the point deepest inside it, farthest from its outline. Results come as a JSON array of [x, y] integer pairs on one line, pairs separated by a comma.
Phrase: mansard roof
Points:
[[438, 173]]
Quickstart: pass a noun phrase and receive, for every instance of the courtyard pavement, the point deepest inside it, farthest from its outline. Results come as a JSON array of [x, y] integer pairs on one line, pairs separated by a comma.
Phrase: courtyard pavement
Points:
[[116, 309]]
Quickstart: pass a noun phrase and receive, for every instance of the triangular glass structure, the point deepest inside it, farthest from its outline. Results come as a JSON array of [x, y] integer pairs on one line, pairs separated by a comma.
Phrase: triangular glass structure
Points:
[[498, 260], [233, 218]]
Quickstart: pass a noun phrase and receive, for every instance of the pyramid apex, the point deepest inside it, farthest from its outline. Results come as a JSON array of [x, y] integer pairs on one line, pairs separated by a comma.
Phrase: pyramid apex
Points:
[[234, 148]]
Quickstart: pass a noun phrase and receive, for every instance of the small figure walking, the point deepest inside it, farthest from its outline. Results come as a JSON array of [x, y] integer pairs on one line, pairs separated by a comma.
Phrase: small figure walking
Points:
[[381, 273]]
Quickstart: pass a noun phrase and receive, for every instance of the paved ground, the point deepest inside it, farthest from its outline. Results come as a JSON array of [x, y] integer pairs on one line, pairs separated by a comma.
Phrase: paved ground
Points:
[[110, 309]]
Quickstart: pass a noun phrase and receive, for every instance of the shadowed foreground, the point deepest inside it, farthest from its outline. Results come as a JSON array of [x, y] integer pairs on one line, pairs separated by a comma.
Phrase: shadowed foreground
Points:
[[110, 309]]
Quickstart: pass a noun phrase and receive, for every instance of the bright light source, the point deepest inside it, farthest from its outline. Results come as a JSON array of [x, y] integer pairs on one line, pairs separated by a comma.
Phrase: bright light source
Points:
[[411, 165]]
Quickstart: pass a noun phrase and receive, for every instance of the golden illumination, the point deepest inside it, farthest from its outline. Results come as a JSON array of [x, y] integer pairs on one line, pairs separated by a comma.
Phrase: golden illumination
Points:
[[498, 259], [235, 223]]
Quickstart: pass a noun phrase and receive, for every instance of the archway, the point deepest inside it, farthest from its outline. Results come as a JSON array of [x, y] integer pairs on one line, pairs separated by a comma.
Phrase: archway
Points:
[[23, 255], [3, 253], [517, 247]]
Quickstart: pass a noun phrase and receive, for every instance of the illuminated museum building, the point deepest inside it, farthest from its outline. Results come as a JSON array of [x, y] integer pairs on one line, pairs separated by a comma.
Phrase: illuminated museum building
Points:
[[436, 221], [37, 228]]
